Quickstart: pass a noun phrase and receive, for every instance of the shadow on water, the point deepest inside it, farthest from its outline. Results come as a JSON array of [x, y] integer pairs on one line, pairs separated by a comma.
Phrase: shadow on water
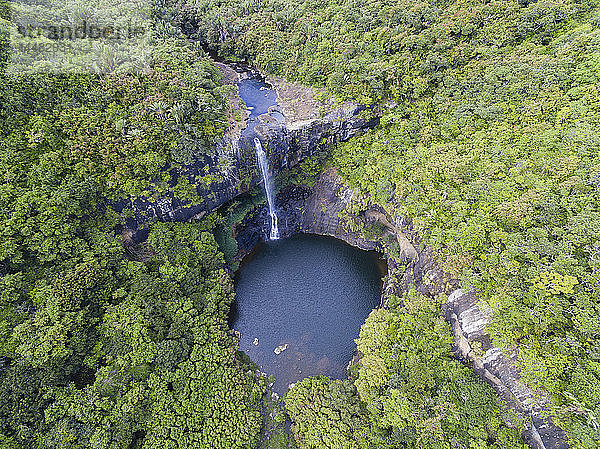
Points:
[[308, 292]]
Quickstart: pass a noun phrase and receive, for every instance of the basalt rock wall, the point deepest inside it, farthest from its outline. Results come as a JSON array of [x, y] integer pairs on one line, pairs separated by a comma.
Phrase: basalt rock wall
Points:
[[233, 167]]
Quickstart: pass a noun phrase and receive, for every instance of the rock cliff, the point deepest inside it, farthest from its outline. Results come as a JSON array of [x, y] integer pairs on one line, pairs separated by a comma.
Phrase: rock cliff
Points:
[[231, 166]]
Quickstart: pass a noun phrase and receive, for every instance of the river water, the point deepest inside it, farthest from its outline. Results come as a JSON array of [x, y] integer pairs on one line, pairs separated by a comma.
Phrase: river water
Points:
[[259, 97]]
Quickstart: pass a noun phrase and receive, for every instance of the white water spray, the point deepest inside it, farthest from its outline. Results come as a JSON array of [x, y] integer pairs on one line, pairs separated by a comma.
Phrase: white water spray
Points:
[[264, 169]]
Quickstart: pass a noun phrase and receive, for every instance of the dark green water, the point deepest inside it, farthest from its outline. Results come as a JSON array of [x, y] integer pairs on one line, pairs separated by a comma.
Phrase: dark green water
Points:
[[310, 292]]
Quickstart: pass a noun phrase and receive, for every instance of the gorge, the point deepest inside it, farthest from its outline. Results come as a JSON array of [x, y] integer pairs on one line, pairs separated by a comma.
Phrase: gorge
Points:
[[328, 207], [300, 224]]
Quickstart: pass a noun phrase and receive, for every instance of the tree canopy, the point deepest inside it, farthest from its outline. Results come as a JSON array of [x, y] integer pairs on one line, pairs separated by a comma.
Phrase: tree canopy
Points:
[[488, 142]]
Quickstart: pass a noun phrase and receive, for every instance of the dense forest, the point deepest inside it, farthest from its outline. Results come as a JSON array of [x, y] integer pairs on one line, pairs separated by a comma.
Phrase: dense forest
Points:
[[489, 141], [103, 345]]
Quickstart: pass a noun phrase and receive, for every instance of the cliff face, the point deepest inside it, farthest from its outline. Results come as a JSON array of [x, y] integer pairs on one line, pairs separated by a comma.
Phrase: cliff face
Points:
[[318, 210], [233, 167], [305, 210]]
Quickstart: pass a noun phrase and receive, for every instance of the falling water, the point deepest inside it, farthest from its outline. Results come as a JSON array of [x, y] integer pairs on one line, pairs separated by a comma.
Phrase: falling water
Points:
[[264, 168]]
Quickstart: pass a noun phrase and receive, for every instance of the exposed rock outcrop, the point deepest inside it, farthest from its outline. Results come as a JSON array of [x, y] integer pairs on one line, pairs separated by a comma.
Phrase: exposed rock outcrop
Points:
[[473, 343]]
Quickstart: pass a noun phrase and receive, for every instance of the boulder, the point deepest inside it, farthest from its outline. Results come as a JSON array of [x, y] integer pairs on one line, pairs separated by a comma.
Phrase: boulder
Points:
[[279, 349]]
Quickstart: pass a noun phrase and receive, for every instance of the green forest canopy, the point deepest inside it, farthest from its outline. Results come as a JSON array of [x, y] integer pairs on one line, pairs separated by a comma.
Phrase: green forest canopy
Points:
[[491, 147]]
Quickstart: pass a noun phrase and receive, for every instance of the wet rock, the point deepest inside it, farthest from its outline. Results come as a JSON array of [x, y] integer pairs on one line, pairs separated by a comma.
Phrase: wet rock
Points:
[[279, 349]]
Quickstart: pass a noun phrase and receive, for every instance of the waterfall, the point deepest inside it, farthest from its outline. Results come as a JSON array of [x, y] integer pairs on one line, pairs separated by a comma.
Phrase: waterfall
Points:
[[264, 169]]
